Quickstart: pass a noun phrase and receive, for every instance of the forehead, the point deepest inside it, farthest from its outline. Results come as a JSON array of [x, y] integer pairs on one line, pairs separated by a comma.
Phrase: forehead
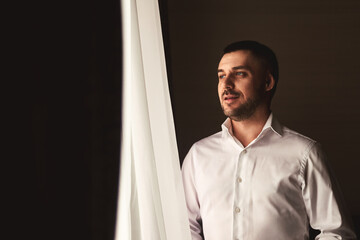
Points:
[[239, 58]]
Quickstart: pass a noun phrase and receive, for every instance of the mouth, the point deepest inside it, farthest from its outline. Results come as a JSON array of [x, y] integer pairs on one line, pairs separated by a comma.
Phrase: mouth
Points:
[[228, 99], [229, 96]]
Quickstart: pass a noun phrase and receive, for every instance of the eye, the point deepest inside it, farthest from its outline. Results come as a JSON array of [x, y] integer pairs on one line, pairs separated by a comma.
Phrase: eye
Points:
[[243, 74], [221, 76]]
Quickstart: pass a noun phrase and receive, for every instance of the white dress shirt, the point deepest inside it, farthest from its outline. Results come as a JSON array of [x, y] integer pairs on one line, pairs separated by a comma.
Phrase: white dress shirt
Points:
[[270, 190]]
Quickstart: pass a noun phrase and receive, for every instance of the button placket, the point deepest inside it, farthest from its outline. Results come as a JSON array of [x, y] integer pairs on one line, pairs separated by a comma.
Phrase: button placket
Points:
[[238, 199]]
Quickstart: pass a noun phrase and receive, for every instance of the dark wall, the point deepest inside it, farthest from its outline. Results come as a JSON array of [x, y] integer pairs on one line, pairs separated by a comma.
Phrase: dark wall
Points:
[[75, 119], [317, 44]]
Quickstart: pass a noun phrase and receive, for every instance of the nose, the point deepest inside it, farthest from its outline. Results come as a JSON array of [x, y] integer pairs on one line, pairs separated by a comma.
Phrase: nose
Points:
[[229, 82]]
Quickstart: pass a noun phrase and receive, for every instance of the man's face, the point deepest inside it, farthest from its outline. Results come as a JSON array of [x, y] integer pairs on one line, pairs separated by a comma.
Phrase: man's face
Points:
[[241, 86]]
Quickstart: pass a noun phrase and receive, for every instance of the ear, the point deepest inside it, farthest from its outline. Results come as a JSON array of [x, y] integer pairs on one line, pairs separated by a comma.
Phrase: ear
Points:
[[269, 82]]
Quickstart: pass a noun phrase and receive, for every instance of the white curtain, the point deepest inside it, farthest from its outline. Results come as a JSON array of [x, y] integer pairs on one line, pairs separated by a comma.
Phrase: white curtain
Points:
[[151, 203]]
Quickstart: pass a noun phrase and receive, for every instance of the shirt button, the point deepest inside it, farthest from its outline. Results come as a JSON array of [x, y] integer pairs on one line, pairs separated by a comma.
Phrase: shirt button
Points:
[[237, 210], [245, 151], [239, 179]]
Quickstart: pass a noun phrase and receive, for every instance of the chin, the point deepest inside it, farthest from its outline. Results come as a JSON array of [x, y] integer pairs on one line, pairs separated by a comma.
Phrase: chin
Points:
[[230, 113]]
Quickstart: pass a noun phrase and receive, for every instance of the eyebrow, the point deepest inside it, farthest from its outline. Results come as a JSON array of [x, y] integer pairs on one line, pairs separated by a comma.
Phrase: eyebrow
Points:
[[236, 68]]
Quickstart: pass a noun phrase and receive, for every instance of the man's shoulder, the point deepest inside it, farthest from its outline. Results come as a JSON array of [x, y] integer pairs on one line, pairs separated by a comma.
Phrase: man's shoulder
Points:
[[207, 146], [209, 140], [205, 149], [294, 137]]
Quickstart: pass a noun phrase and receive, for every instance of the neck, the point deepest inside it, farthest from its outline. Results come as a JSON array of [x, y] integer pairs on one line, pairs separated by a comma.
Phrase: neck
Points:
[[247, 130]]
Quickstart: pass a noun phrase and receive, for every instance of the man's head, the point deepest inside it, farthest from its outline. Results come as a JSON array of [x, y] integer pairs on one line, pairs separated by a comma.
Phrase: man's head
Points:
[[248, 75]]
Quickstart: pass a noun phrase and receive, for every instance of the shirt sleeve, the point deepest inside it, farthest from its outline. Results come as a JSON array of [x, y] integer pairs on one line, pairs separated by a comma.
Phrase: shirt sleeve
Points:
[[191, 196], [323, 201]]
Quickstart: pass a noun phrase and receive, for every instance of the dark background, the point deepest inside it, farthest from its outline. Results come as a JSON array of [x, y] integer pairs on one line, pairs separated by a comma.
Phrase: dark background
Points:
[[75, 120], [75, 98]]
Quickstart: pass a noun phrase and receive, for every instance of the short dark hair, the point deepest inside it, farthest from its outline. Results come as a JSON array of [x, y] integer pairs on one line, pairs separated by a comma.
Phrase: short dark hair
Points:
[[260, 51]]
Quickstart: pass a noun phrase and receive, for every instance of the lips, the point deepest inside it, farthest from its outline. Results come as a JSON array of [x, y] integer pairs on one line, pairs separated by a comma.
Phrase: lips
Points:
[[230, 100], [230, 97]]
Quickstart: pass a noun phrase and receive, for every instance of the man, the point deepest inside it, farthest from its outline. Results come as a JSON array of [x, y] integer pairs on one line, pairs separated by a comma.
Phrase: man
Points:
[[256, 179]]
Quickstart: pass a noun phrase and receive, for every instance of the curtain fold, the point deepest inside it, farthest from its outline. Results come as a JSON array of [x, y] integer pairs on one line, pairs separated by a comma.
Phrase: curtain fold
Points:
[[151, 203]]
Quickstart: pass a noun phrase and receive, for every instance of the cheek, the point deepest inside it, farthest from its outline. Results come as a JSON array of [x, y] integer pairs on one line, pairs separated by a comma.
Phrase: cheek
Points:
[[219, 88], [246, 90]]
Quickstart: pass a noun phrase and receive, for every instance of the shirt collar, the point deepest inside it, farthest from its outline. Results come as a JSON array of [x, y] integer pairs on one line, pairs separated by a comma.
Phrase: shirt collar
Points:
[[271, 123]]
